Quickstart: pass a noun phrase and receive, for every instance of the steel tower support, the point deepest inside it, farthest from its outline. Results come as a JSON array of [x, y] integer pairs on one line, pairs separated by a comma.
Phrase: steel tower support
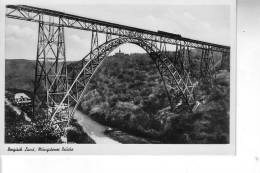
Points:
[[51, 83], [186, 58], [225, 62], [163, 50], [207, 69]]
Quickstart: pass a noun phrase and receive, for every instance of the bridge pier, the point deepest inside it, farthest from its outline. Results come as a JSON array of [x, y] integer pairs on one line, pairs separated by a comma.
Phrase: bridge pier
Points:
[[207, 69], [51, 83], [225, 62]]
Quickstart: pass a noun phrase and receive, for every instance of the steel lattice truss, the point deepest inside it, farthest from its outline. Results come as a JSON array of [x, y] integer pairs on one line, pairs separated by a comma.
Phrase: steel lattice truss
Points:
[[34, 14], [59, 87]]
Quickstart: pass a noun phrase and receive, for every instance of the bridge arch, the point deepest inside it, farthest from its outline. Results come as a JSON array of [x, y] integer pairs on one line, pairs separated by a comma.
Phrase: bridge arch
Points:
[[91, 62]]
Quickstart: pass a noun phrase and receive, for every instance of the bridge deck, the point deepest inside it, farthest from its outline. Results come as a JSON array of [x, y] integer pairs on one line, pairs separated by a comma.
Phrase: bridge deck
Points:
[[35, 14]]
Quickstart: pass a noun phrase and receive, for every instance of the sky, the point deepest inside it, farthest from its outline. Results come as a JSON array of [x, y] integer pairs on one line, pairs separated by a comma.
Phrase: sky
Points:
[[209, 23]]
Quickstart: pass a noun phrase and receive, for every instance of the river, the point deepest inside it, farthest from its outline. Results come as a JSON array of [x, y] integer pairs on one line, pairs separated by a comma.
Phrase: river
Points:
[[94, 129]]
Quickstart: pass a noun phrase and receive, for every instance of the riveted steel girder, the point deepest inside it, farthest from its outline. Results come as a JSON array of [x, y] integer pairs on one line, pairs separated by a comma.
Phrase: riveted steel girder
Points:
[[29, 13]]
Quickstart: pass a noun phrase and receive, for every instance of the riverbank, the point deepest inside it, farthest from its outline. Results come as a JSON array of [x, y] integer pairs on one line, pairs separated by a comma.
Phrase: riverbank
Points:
[[126, 138], [102, 134]]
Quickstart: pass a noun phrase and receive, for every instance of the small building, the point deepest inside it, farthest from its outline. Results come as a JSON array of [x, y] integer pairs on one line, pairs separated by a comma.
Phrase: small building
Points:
[[119, 53], [21, 98]]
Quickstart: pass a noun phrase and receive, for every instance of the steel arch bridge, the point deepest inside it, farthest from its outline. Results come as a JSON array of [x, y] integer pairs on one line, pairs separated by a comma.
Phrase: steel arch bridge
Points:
[[59, 86]]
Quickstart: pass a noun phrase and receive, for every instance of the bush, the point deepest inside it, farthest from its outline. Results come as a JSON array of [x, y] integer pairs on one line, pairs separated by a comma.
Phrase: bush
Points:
[[38, 132]]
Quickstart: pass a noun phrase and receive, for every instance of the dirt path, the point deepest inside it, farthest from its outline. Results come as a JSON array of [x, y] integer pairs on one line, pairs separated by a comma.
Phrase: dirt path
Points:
[[17, 110]]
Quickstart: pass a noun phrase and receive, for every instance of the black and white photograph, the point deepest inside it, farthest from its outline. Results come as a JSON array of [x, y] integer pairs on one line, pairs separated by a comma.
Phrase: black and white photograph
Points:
[[118, 74], [129, 86]]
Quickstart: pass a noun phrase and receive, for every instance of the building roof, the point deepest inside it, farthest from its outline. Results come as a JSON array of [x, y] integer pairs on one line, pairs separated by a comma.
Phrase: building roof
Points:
[[20, 95]]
